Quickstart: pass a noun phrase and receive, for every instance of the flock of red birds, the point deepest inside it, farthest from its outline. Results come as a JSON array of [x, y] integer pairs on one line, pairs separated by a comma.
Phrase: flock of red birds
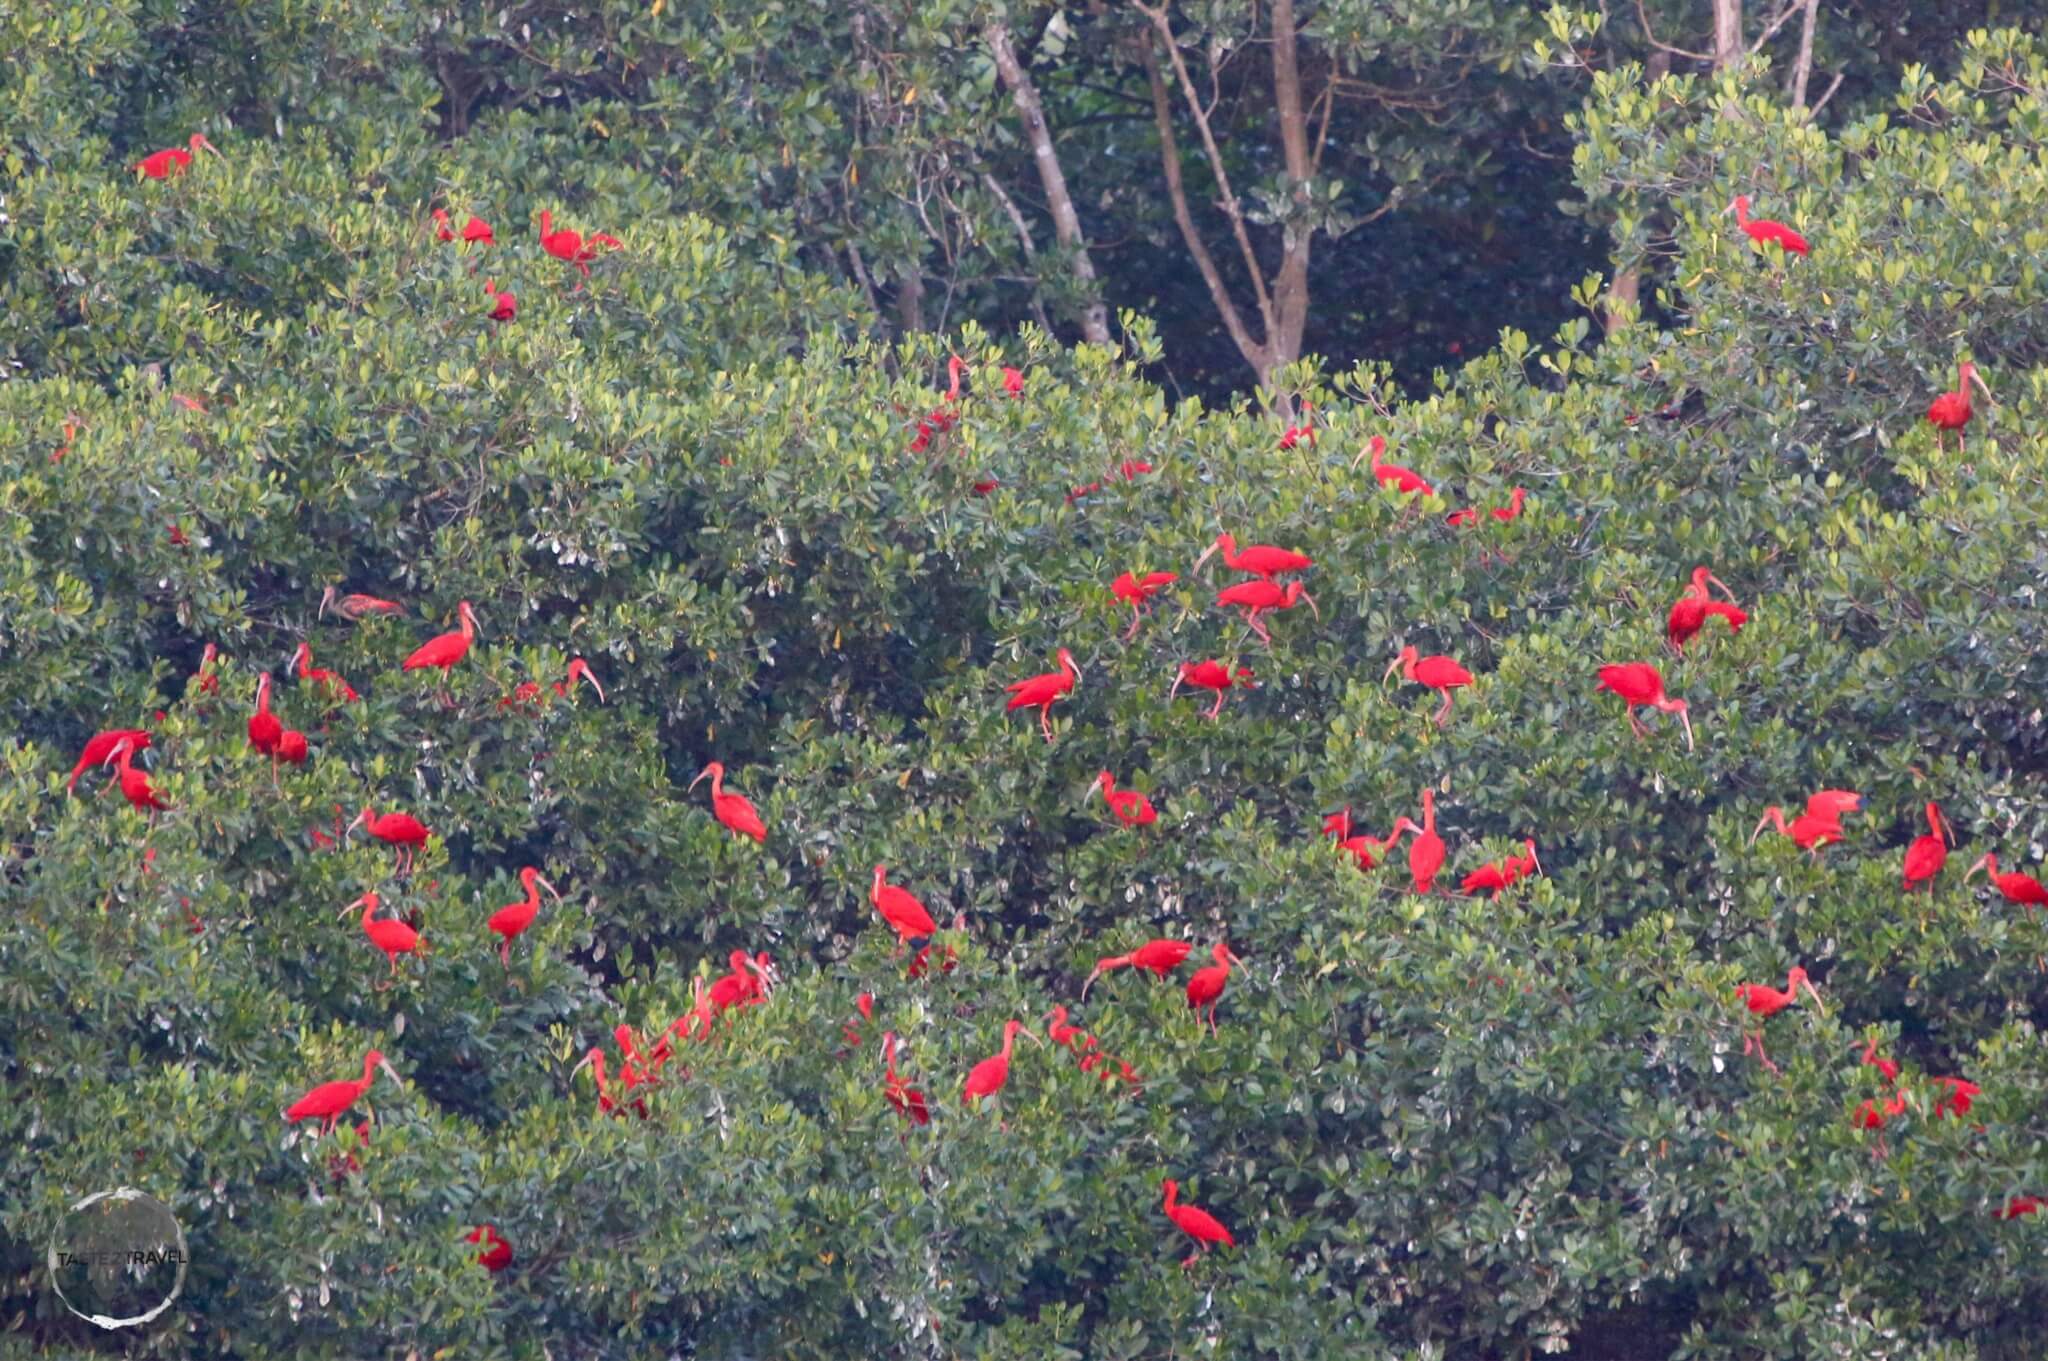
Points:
[[751, 979]]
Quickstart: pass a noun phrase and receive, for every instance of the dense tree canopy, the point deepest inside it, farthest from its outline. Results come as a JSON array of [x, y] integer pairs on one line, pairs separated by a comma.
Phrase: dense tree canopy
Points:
[[724, 471]]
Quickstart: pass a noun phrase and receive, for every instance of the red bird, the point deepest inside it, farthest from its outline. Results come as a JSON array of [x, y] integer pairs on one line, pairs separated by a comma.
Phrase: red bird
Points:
[[1871, 1058], [1200, 1225], [1013, 381], [1639, 685], [1765, 1002], [2023, 889], [1393, 475], [173, 160], [594, 1060], [1503, 874], [512, 919], [1209, 675], [988, 1077], [505, 305], [1763, 230], [1158, 957], [447, 649], [908, 1100], [329, 1101], [749, 981], [290, 749], [1138, 593], [1927, 854], [1205, 987], [2020, 1205], [1820, 825], [572, 248], [1260, 596], [1059, 1032], [1260, 560], [354, 607], [1366, 850], [1439, 673], [99, 749], [336, 687], [264, 727], [1039, 692], [209, 681], [1951, 410], [135, 786], [401, 830], [474, 231], [578, 670], [736, 811], [1426, 850], [1689, 613], [393, 938], [906, 916], [1504, 513], [497, 1253], [1961, 1092], [1131, 808]]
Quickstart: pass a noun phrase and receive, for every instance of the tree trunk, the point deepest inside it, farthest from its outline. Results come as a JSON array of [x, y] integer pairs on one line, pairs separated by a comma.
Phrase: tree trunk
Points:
[[1290, 285], [1628, 283], [1727, 33], [1802, 70], [1066, 223]]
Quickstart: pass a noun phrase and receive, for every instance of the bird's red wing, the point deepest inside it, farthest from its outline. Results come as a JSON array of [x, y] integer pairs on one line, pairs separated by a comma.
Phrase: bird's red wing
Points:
[[445, 650], [1202, 1226]]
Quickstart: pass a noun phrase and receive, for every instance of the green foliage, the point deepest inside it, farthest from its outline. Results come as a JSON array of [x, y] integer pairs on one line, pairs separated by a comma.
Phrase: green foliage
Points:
[[1437, 1126]]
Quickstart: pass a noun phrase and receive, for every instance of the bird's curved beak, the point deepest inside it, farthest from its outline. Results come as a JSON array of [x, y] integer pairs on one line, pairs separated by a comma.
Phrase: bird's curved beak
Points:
[[1978, 379], [1312, 606], [1537, 863], [1948, 831], [1392, 667], [1729, 209], [1722, 584], [357, 823], [1762, 823], [1177, 678], [1028, 1033], [326, 599], [1686, 723], [390, 1072], [204, 143], [1088, 983], [582, 1063], [548, 886], [1233, 956], [764, 973], [1973, 869], [590, 676], [1814, 993], [1206, 554], [350, 908], [120, 748], [700, 776]]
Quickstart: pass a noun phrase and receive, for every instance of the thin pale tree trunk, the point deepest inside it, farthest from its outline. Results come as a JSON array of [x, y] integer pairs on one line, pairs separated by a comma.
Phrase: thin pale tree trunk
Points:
[[1066, 223]]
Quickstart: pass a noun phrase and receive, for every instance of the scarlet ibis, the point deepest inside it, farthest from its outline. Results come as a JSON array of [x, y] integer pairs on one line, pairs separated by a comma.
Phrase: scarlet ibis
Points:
[[1261, 596], [865, 1005], [571, 247], [2020, 1205], [2023, 889], [1131, 808], [906, 916], [290, 749], [1871, 1058], [336, 687], [353, 607], [1951, 410], [896, 1091], [1640, 685], [172, 160], [1961, 1092], [1040, 692], [1426, 849], [578, 670], [1927, 854], [1460, 518], [476, 231], [135, 785], [1138, 593], [100, 747], [209, 682], [497, 1253], [736, 811], [1763, 230], [447, 649], [513, 918], [264, 727], [329, 1101], [1260, 560], [400, 830], [504, 305], [1513, 508], [988, 1077], [1364, 849], [1013, 381], [393, 938], [1689, 613], [1200, 1225], [1502, 874], [1809, 831], [748, 982], [1058, 1031], [1765, 1002], [1305, 433], [1393, 475], [594, 1060], [1439, 673], [1205, 987], [1158, 957], [1209, 675]]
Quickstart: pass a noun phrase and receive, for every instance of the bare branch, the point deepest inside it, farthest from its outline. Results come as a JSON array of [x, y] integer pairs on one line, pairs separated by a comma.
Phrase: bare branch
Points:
[[1649, 35], [1792, 7], [1802, 70], [1066, 223], [1232, 209], [1016, 216], [1169, 157], [1827, 94]]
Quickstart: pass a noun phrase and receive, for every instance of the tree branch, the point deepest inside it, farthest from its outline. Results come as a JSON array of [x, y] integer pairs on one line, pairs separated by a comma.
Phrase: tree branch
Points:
[[1792, 7], [1016, 216], [1066, 223], [1650, 36], [1169, 157], [1802, 70], [1232, 209]]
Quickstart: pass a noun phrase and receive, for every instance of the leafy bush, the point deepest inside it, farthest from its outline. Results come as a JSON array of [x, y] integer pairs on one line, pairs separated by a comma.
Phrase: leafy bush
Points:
[[1436, 1125]]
